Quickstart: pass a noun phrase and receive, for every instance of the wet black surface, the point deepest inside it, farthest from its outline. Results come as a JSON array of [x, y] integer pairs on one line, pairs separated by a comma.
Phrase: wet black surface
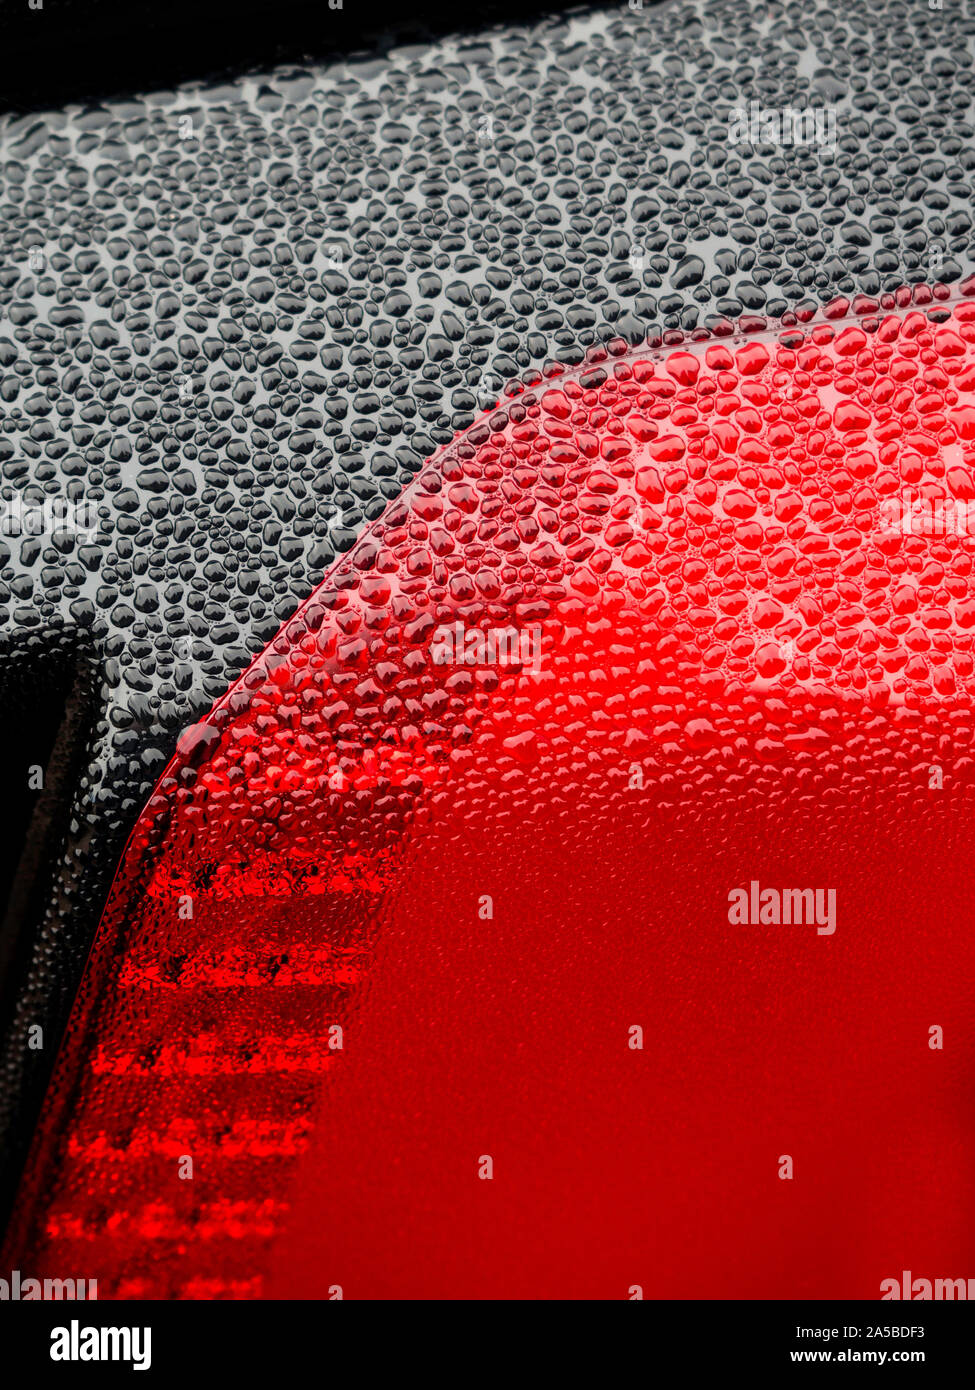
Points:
[[92, 50], [236, 318]]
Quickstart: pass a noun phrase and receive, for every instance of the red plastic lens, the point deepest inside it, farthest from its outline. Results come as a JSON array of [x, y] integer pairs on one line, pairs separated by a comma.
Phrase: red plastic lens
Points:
[[651, 632]]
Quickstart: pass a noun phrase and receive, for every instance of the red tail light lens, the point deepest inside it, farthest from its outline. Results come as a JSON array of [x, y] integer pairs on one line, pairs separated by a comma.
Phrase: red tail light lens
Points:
[[449, 875]]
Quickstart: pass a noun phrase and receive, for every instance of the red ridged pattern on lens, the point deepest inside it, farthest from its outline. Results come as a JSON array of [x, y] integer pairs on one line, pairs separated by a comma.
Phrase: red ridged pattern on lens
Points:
[[747, 673]]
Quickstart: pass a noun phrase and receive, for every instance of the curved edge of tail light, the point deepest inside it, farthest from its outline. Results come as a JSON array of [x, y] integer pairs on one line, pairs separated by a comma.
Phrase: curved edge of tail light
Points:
[[242, 919]]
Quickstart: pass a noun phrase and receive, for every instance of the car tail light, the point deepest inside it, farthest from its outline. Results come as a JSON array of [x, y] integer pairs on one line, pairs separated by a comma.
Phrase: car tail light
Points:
[[445, 877]]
